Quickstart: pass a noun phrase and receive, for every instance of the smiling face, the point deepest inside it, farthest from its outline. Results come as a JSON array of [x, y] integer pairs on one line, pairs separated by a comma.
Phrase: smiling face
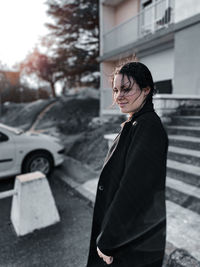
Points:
[[127, 94]]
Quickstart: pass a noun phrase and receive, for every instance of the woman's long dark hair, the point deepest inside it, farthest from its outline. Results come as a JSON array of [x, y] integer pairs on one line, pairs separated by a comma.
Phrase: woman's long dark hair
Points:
[[139, 73]]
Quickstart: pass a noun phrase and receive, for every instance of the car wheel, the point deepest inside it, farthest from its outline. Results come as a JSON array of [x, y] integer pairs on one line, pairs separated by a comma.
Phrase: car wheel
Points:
[[38, 162]]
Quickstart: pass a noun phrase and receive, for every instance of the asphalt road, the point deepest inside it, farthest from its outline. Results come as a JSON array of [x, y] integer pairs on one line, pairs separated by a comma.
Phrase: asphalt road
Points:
[[64, 244]]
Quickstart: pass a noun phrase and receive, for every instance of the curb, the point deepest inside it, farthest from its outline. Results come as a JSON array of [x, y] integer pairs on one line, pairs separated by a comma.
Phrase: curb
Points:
[[78, 188]]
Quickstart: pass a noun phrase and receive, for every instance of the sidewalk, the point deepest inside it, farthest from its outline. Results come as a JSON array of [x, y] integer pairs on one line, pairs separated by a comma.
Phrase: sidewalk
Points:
[[182, 224], [79, 177]]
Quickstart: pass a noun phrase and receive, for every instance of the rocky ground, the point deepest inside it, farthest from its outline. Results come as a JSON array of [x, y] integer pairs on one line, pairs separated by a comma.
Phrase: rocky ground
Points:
[[22, 114], [75, 119]]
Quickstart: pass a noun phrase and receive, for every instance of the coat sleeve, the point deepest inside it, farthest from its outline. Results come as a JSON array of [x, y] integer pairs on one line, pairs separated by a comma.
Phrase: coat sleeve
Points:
[[144, 171]]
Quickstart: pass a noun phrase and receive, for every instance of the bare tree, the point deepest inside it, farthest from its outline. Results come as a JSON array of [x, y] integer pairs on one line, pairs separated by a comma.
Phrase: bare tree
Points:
[[43, 66]]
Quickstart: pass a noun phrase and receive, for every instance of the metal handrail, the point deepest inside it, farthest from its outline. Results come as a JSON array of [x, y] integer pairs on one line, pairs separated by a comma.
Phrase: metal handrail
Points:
[[8, 193]]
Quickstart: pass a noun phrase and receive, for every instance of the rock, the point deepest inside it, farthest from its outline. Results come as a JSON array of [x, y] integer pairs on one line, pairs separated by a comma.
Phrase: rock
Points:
[[181, 258]]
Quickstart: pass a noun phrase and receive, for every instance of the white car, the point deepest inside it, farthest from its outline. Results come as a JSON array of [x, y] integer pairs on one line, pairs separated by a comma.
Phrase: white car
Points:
[[23, 152]]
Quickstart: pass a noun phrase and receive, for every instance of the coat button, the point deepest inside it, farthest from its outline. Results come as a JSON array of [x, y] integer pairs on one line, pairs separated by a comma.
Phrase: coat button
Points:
[[101, 187]]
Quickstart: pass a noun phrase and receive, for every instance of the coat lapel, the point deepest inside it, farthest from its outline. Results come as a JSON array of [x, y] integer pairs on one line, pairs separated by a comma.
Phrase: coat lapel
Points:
[[115, 142]]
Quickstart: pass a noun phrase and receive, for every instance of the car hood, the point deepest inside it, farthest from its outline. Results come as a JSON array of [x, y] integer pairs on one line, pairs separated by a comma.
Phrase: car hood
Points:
[[34, 135]]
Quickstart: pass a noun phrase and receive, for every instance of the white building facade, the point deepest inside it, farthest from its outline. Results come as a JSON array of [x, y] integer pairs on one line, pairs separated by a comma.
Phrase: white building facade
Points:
[[164, 35]]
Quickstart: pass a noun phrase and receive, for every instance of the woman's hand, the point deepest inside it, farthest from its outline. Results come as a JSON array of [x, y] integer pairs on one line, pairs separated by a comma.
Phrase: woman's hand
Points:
[[107, 259]]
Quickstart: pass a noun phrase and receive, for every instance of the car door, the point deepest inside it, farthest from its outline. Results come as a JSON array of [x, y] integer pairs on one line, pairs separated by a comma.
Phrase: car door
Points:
[[7, 153]]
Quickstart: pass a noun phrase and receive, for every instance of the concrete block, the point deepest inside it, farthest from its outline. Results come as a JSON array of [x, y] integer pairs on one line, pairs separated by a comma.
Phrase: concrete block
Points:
[[33, 207]]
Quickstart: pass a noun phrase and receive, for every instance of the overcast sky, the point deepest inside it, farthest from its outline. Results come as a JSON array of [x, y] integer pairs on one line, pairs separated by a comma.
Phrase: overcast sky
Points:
[[21, 25]]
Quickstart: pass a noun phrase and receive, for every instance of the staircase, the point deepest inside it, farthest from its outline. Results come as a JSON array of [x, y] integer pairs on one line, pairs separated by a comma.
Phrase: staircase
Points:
[[183, 180]]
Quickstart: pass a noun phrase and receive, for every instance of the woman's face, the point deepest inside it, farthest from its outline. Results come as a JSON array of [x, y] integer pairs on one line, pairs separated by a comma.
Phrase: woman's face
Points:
[[128, 98]]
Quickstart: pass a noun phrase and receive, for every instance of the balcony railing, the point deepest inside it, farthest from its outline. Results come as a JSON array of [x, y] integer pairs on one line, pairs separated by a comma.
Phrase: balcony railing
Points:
[[151, 19]]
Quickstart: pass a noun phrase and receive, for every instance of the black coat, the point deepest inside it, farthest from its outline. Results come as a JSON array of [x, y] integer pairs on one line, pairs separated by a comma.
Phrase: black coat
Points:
[[129, 217]]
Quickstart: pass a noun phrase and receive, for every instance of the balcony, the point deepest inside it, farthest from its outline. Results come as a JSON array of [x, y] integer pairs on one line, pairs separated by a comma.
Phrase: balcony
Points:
[[148, 21]]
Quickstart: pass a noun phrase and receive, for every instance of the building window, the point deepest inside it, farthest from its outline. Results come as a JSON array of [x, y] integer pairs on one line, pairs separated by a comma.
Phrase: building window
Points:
[[145, 3], [164, 87]]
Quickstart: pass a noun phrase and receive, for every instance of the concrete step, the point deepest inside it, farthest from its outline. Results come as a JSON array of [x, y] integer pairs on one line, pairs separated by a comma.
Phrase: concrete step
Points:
[[183, 228], [183, 194], [184, 130], [186, 120], [184, 172], [183, 187], [184, 155], [190, 111], [184, 141]]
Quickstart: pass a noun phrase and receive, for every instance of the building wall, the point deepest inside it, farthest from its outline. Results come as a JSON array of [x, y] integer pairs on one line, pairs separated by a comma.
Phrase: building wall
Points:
[[185, 9], [161, 65], [106, 100], [126, 10], [13, 77], [111, 16], [108, 18], [187, 61], [106, 22], [178, 61]]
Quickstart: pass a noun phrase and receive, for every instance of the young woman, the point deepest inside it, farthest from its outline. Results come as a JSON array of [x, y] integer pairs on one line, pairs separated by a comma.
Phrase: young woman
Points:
[[129, 218]]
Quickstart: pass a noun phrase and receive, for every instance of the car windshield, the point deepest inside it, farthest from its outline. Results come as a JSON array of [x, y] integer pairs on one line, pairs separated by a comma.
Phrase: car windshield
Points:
[[11, 129]]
